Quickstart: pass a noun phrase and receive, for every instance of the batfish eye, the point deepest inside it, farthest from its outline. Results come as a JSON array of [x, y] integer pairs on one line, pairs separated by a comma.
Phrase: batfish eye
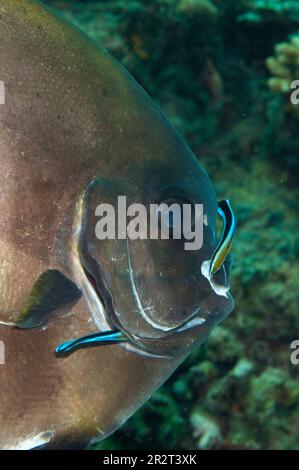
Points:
[[171, 216]]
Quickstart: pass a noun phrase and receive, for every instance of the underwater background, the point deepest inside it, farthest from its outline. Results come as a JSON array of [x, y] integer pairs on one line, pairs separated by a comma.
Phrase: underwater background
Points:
[[221, 71]]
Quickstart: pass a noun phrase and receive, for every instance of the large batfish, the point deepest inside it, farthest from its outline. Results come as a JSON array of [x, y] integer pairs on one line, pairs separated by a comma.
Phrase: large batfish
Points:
[[76, 131]]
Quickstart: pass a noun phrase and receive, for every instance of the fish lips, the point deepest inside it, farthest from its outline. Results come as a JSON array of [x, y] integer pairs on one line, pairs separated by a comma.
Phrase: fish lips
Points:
[[179, 340]]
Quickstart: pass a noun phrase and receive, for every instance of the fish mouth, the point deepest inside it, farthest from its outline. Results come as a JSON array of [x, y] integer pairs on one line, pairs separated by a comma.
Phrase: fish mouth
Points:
[[90, 278], [99, 301], [130, 341]]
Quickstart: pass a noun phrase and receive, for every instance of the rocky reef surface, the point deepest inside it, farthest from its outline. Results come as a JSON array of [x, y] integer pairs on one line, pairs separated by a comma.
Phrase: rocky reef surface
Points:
[[220, 71]]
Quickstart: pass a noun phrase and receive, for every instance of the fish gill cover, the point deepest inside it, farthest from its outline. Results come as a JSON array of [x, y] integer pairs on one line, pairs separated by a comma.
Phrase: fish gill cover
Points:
[[220, 70]]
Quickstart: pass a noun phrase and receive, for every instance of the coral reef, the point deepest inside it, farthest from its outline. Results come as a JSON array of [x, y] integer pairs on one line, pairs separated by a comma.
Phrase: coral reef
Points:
[[284, 68], [271, 10], [204, 7], [204, 63], [206, 430]]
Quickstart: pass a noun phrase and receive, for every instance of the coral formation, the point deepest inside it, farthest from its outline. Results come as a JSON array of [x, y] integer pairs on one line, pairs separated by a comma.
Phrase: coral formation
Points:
[[269, 10], [284, 67], [206, 430], [205, 7], [207, 71]]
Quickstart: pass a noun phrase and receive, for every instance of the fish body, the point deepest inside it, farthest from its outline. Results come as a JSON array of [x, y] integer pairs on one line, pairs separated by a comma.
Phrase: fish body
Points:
[[77, 130]]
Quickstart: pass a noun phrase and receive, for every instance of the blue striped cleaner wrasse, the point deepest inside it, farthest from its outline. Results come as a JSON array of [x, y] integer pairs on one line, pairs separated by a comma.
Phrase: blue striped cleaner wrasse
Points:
[[229, 229]]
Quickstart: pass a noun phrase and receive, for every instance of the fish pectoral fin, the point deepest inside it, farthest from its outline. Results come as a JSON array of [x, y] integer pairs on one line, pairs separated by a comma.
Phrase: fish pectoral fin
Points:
[[52, 291], [97, 339]]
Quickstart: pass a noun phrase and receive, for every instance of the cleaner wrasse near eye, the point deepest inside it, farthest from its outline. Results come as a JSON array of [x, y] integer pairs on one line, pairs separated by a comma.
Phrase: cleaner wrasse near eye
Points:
[[227, 238], [77, 131]]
